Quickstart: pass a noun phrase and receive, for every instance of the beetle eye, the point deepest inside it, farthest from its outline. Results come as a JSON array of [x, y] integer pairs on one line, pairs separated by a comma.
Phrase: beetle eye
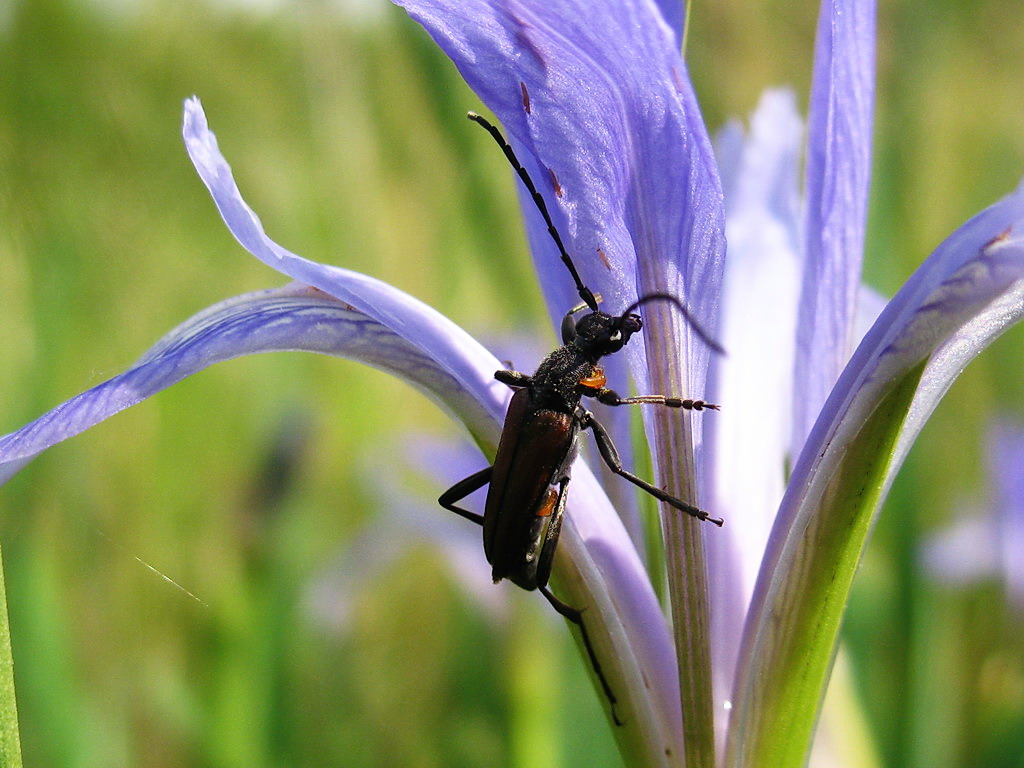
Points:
[[616, 335]]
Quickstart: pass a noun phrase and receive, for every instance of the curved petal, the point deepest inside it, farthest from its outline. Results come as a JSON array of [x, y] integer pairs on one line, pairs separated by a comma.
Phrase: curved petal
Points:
[[598, 96], [295, 317], [838, 173], [599, 567], [342, 312], [968, 292], [425, 328]]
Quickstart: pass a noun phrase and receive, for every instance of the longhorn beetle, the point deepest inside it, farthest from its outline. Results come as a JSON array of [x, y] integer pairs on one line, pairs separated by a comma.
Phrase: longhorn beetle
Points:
[[530, 475]]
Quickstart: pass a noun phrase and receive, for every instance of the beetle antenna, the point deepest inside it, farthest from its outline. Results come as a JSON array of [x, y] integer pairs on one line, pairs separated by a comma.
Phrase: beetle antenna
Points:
[[585, 293], [704, 335]]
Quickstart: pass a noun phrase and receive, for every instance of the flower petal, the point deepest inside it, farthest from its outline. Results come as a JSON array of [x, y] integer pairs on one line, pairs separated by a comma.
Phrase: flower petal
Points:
[[968, 292], [594, 542], [295, 317], [598, 100], [600, 104], [433, 334], [838, 173], [601, 570], [674, 14], [749, 439]]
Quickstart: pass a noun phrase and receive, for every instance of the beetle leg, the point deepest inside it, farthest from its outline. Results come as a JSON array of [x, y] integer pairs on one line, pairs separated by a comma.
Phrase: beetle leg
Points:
[[611, 458], [513, 378], [609, 397], [462, 489], [576, 617], [547, 557]]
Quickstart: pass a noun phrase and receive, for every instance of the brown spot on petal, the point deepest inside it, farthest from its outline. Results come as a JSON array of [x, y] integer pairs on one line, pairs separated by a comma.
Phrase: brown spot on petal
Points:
[[677, 78], [526, 97], [1000, 238], [604, 259], [554, 183]]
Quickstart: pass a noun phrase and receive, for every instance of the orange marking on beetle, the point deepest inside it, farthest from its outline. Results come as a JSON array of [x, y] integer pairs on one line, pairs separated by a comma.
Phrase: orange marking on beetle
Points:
[[604, 259], [595, 380], [526, 97], [548, 505], [554, 183]]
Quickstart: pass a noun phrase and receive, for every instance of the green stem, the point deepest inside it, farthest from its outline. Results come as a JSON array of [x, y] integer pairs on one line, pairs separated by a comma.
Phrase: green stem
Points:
[[10, 743]]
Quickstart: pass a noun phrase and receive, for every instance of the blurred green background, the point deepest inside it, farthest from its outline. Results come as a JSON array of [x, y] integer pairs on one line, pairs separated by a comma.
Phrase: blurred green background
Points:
[[344, 127]]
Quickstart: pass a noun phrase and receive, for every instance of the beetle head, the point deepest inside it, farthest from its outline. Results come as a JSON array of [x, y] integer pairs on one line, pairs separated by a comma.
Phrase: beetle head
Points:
[[599, 334]]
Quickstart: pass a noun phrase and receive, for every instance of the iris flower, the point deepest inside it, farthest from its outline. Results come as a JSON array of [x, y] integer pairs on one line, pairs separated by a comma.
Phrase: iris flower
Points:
[[597, 100]]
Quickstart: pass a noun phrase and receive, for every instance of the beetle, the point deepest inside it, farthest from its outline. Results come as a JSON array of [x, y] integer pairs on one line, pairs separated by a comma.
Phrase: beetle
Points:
[[530, 476]]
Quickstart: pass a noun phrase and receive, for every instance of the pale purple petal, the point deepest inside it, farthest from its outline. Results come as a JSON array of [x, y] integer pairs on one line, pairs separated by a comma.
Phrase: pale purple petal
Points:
[[593, 540], [957, 302], [749, 439], [426, 329], [599, 105], [624, 620], [295, 317], [838, 173], [967, 293], [612, 114]]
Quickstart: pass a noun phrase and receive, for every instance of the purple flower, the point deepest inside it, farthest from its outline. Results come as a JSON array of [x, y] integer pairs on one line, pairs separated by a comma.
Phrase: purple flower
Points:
[[598, 102]]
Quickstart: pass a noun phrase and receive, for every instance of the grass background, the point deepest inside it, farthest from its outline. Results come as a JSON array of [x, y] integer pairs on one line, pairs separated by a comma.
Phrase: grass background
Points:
[[244, 483]]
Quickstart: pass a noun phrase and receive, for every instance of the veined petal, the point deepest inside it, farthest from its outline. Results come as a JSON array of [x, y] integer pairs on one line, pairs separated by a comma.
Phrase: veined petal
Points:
[[295, 317], [838, 174], [968, 292], [598, 98], [601, 107], [425, 328], [599, 569], [748, 440]]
